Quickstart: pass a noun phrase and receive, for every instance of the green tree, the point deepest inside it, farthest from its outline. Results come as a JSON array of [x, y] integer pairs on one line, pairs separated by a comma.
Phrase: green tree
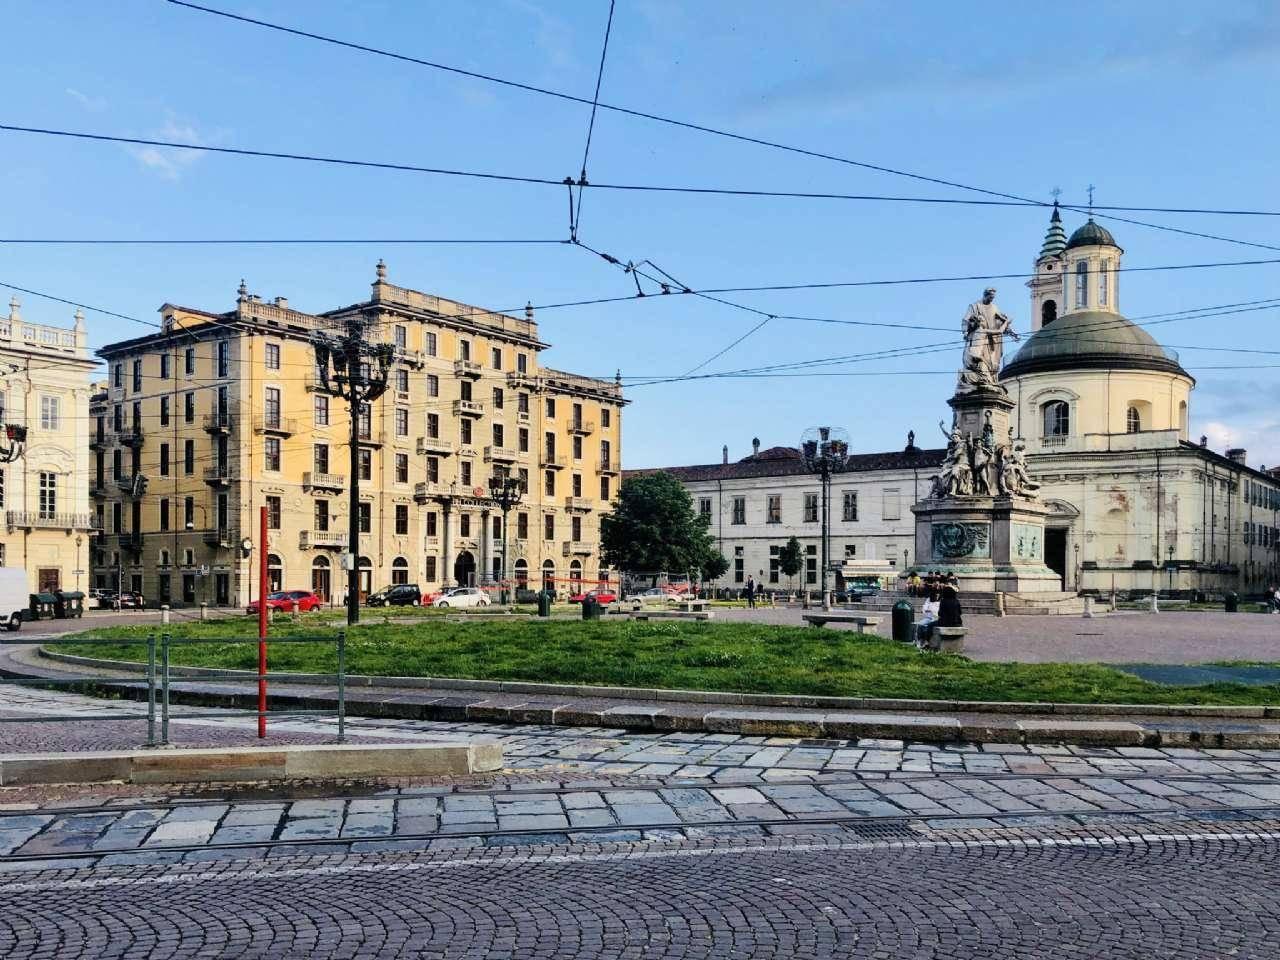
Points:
[[790, 560], [653, 527]]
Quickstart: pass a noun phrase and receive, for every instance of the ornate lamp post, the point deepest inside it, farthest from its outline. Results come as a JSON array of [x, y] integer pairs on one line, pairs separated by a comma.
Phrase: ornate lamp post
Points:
[[506, 491], [824, 451]]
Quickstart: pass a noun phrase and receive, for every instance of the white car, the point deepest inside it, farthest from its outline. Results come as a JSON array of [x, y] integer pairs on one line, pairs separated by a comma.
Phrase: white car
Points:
[[654, 595], [463, 597]]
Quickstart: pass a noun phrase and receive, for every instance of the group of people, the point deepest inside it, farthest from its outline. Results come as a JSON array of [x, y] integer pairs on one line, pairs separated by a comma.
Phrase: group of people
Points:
[[754, 593], [1272, 599], [941, 602]]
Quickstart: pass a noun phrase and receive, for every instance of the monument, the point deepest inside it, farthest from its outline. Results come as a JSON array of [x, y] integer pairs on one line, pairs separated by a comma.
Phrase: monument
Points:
[[982, 520]]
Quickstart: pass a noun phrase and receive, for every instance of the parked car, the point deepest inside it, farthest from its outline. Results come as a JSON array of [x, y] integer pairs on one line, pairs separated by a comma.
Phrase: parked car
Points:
[[654, 595], [431, 596], [600, 596], [130, 600], [14, 597], [101, 600], [304, 601], [463, 597], [279, 602], [398, 595]]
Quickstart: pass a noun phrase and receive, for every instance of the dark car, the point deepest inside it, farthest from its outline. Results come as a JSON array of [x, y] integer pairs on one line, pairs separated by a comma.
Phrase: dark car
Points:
[[400, 595], [130, 600]]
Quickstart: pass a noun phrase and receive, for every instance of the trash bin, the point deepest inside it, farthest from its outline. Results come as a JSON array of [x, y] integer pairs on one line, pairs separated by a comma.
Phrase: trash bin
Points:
[[42, 606], [544, 604], [1231, 601], [590, 609], [68, 604], [904, 616]]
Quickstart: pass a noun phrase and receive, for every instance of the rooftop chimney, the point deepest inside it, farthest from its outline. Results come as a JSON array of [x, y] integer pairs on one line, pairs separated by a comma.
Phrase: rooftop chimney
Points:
[[1204, 441], [724, 453], [1236, 455], [755, 446], [282, 303]]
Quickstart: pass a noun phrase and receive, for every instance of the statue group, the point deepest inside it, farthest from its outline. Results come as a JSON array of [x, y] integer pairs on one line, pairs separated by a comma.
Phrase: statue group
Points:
[[980, 467]]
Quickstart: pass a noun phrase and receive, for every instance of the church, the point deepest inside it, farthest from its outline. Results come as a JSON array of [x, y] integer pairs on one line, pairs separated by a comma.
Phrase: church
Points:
[[1134, 504]]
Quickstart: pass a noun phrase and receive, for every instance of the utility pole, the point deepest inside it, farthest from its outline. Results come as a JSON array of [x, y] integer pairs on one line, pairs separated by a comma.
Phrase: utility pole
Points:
[[357, 370]]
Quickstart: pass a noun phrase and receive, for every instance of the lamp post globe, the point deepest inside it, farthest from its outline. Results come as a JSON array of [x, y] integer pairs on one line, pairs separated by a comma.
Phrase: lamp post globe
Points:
[[824, 451]]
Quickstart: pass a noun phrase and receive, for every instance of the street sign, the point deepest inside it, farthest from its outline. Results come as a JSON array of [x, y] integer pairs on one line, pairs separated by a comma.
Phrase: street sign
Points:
[[346, 561], [204, 569]]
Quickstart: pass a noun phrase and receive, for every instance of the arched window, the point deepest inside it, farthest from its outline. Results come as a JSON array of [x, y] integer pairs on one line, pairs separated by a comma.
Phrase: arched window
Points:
[[1104, 281], [548, 576], [1057, 418], [575, 575], [1182, 419], [399, 570], [1133, 420], [522, 574], [1082, 285], [275, 573], [1048, 312]]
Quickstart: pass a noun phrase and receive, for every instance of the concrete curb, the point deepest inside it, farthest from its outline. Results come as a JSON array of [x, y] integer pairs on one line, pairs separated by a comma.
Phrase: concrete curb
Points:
[[230, 764], [804, 702]]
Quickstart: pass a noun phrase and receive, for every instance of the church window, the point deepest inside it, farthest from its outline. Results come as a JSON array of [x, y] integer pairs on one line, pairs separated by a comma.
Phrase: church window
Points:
[[1104, 278], [1057, 418], [1048, 312], [1133, 421], [1082, 285]]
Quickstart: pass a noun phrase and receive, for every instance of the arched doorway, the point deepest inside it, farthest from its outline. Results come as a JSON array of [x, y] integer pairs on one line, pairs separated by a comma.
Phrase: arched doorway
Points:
[[575, 576], [399, 570], [464, 569], [522, 574], [275, 574], [321, 584], [364, 577], [548, 576]]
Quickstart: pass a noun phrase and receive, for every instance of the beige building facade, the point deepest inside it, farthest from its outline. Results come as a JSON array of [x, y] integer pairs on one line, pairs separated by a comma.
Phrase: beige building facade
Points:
[[221, 414], [45, 386]]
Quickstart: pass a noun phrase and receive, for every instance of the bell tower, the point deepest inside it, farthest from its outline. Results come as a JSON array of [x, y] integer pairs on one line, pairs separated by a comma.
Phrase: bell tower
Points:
[[1047, 290]]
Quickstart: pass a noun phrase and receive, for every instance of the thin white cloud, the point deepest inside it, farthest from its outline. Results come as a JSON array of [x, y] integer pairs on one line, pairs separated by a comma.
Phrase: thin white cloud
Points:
[[172, 163], [92, 104]]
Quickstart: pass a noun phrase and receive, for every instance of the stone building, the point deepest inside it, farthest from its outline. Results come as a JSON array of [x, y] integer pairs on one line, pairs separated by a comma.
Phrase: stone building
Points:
[[1135, 504], [220, 414], [44, 385]]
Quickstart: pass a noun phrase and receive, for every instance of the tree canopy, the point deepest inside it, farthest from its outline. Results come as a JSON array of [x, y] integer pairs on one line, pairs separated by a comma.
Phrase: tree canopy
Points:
[[653, 527], [790, 558]]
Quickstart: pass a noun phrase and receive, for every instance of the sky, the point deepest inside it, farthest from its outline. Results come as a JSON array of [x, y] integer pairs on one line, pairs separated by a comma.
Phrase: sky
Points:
[[1158, 105]]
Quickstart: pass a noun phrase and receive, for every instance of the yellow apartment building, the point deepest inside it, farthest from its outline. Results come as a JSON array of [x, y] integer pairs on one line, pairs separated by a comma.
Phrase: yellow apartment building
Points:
[[220, 414], [44, 385]]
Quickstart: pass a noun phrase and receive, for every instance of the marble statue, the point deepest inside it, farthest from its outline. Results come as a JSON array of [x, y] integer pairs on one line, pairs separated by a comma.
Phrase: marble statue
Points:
[[984, 328]]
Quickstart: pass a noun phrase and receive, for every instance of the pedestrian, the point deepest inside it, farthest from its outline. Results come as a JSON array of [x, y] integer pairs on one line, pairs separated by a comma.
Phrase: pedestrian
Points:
[[751, 593], [928, 617], [949, 612]]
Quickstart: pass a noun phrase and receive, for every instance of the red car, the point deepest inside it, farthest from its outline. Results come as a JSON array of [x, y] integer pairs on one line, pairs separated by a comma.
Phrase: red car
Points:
[[279, 602], [303, 601], [431, 596], [600, 596]]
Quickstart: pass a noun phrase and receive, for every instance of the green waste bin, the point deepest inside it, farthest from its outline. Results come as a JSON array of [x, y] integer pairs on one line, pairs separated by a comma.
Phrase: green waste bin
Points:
[[904, 617], [42, 606], [1231, 601], [544, 604], [590, 609]]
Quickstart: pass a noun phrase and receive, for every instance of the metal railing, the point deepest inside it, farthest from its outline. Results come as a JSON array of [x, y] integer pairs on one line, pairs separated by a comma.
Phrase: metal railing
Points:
[[154, 682]]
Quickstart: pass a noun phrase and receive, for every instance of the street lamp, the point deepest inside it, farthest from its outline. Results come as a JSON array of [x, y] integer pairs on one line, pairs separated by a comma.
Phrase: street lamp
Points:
[[506, 490], [824, 451], [1077, 561], [1170, 566]]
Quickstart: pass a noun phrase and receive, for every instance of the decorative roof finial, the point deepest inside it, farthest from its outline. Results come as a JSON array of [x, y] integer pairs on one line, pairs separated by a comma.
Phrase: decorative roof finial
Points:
[[528, 310], [242, 292], [381, 270], [14, 304], [79, 318]]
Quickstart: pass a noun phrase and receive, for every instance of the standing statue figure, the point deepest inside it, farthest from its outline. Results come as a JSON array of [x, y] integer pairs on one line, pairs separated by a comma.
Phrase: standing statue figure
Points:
[[1015, 480], [955, 478], [984, 328], [985, 482]]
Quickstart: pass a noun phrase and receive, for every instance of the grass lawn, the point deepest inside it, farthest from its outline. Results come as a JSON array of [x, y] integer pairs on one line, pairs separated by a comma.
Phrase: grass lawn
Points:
[[689, 655]]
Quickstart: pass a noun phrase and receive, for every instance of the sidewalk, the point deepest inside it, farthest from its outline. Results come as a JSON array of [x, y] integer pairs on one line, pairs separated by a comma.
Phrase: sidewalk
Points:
[[705, 711]]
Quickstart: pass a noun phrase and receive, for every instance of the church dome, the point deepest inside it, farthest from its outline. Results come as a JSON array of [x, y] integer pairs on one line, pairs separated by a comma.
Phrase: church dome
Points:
[[1091, 339], [1091, 235]]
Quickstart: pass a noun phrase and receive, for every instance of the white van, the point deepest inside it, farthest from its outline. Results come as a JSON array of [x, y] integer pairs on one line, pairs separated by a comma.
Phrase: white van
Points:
[[15, 597]]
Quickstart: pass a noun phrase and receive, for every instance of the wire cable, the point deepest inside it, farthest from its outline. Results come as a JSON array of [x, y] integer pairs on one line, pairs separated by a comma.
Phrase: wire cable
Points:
[[591, 124]]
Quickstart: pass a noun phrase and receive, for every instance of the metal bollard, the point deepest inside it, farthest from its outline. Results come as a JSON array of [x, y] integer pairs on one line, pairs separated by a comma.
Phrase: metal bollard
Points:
[[151, 689], [1088, 608], [164, 613], [204, 611], [1155, 603]]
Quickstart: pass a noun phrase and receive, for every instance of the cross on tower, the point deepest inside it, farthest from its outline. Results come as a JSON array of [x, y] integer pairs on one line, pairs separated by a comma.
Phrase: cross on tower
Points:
[[1091, 189], [1056, 192]]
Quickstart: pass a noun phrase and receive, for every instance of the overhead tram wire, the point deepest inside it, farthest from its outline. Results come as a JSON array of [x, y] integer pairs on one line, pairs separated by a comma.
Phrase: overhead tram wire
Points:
[[591, 124], [250, 241], [743, 138]]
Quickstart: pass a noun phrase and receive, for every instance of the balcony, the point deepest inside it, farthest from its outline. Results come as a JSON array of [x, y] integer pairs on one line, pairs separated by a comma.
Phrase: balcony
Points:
[[221, 422], [316, 480], [422, 492], [522, 379], [322, 539], [98, 488], [431, 544], [581, 504], [579, 548], [581, 427], [131, 541], [48, 521], [610, 467], [133, 484], [467, 368], [131, 436], [372, 438], [412, 358], [218, 537], [494, 454], [549, 461], [99, 441], [219, 475], [468, 408], [523, 418], [435, 446], [315, 383], [276, 426]]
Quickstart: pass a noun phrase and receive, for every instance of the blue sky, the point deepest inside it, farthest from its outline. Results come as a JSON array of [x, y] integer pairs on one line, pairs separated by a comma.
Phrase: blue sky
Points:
[[1156, 104]]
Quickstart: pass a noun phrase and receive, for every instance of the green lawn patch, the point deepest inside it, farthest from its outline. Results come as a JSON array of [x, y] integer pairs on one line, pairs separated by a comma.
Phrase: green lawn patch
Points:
[[739, 657]]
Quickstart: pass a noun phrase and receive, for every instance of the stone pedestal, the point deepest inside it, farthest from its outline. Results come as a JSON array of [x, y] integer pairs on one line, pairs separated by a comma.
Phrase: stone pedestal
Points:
[[970, 412], [991, 544]]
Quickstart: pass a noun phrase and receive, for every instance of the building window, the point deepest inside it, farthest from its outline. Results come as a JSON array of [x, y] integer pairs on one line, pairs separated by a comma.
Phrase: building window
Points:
[[739, 510], [50, 413], [549, 483], [164, 459], [810, 508], [188, 457], [402, 380], [551, 408], [604, 489], [365, 515], [522, 363], [465, 473], [464, 432], [433, 469], [164, 366], [399, 571], [322, 411], [432, 524], [189, 407], [464, 349], [433, 385], [402, 468], [549, 526], [402, 421], [322, 515], [497, 398], [498, 435], [117, 375], [522, 403], [189, 514], [402, 521], [739, 565], [137, 376], [401, 335], [522, 526], [271, 407], [522, 439], [495, 357], [704, 507], [1133, 420], [271, 454], [224, 358], [850, 551], [850, 507], [273, 513], [1104, 279], [811, 564], [774, 563], [48, 495], [892, 504], [364, 422], [429, 344], [1082, 285], [273, 356], [366, 464], [320, 457], [1057, 418], [464, 525], [164, 411], [188, 362], [606, 417], [773, 508]]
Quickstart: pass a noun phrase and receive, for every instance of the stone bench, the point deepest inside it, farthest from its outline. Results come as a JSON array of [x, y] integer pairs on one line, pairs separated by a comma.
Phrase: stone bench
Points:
[[692, 606], [864, 623], [947, 639], [672, 615]]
